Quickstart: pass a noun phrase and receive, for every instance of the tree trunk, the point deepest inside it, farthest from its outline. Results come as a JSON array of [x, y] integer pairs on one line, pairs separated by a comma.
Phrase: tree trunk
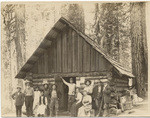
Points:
[[139, 47], [74, 13]]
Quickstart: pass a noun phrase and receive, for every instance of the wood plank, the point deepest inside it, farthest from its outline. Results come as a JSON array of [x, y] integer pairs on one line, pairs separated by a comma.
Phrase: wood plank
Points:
[[59, 53], [55, 56], [46, 62], [52, 57], [80, 54], [75, 51], [69, 40], [86, 57], [50, 60], [93, 60], [97, 60], [35, 68], [64, 51], [39, 66], [42, 64]]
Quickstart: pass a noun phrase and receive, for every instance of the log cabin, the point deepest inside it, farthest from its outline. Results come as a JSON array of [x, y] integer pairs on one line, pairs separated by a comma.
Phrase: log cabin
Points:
[[67, 52]]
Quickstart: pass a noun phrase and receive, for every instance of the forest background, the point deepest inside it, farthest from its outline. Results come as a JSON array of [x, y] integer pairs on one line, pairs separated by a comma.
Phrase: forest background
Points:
[[121, 29]]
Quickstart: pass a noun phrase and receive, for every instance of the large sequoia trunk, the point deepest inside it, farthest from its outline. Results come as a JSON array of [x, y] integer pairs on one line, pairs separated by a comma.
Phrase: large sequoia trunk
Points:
[[74, 13], [139, 47]]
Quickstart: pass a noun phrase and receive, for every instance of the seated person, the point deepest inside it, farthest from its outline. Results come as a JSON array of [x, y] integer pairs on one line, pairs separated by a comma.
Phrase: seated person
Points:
[[77, 104], [84, 111]]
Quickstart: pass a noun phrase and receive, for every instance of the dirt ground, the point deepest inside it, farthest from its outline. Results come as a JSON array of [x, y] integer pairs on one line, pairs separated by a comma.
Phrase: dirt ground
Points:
[[141, 109]]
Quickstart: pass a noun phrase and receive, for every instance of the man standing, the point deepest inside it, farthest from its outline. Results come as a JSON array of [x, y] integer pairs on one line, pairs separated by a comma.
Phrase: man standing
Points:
[[98, 98], [46, 91], [19, 100], [29, 98], [71, 92], [107, 98], [54, 98]]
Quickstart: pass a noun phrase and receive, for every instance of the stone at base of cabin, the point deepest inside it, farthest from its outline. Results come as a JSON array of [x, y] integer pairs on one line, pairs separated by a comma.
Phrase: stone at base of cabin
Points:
[[128, 105], [115, 111]]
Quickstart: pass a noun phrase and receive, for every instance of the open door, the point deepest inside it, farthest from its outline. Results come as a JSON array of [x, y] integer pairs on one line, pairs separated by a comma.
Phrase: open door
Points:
[[63, 89]]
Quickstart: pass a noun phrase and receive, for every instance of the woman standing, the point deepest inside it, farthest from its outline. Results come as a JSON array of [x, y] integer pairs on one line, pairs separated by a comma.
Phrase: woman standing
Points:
[[36, 99], [89, 87]]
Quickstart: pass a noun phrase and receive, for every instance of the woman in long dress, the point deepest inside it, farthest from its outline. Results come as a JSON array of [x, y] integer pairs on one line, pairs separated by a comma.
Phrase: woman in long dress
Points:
[[84, 111], [42, 105], [36, 99]]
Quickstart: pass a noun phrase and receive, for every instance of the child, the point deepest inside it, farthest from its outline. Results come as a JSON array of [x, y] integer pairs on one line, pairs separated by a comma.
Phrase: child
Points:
[[42, 105], [19, 100]]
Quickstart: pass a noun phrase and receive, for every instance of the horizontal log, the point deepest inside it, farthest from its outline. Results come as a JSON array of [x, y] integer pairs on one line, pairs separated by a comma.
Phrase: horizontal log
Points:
[[51, 75], [41, 80]]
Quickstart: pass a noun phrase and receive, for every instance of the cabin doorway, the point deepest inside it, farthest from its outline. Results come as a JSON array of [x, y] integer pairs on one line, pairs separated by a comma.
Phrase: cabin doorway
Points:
[[63, 90]]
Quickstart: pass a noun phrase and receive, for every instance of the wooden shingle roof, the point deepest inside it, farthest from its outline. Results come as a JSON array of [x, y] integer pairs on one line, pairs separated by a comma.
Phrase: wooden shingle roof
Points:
[[52, 34]]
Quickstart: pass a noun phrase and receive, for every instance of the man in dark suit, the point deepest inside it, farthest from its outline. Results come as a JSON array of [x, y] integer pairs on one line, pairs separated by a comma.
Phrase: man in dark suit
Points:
[[19, 101], [97, 97]]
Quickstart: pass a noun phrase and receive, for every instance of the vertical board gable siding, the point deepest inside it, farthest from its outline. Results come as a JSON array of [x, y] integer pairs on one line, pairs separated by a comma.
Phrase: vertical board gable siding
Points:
[[93, 60], [70, 56], [55, 56], [86, 56], [75, 51], [35, 68], [59, 53], [70, 53], [64, 51], [97, 60], [80, 53], [46, 62]]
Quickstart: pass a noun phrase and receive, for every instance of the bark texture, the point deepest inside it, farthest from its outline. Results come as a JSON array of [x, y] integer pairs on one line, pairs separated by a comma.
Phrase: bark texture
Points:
[[139, 47]]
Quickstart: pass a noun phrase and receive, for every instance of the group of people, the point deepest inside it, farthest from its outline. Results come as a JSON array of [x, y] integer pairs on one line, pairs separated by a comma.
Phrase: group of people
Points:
[[39, 102], [92, 99]]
